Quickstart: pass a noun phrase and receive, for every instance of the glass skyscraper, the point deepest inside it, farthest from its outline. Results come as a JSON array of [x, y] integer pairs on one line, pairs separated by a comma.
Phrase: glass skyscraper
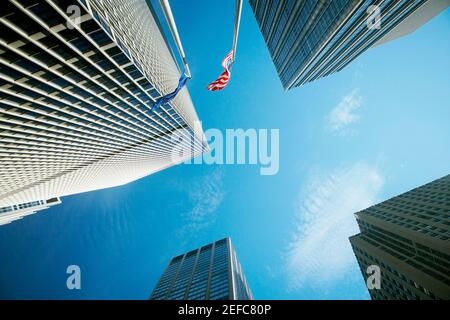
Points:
[[211, 272], [408, 238], [77, 81], [310, 39]]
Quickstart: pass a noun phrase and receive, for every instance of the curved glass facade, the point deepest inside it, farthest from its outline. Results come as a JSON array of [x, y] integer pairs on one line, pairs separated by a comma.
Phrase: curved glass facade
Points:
[[310, 39]]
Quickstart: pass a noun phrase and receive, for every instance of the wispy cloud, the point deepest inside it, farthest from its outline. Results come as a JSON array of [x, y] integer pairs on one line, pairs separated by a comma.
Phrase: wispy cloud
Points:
[[320, 254], [344, 114], [205, 195]]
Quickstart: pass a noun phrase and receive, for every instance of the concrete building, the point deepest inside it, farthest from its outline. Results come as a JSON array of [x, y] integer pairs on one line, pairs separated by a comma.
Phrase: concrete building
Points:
[[15, 212], [408, 238], [77, 79]]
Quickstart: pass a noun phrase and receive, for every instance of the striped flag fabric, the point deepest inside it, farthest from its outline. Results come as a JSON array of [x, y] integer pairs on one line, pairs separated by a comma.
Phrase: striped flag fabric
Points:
[[223, 79]]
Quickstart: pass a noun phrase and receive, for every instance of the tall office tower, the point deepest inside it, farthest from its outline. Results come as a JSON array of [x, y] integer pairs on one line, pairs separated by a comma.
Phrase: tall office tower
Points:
[[408, 238], [211, 272], [77, 80], [310, 39], [9, 214]]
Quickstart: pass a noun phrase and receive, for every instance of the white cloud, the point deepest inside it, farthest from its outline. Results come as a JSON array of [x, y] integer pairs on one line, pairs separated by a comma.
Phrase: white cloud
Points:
[[344, 114], [205, 195], [320, 253]]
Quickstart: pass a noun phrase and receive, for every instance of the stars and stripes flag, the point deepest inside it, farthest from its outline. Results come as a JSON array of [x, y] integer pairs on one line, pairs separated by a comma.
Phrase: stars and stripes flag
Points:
[[223, 79]]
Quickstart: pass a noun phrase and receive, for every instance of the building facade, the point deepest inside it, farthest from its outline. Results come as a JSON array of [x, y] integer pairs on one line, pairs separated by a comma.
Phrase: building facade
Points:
[[408, 238], [310, 39], [77, 80], [211, 272], [15, 212]]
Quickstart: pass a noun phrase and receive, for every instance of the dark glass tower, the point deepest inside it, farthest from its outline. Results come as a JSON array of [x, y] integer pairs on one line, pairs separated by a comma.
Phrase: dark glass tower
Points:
[[407, 237], [310, 39], [211, 272]]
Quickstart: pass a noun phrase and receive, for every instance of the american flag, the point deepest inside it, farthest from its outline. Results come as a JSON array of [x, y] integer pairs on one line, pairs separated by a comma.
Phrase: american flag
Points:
[[223, 79]]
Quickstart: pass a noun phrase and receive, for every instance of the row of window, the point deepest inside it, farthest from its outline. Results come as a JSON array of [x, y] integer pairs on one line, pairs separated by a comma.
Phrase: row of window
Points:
[[21, 206]]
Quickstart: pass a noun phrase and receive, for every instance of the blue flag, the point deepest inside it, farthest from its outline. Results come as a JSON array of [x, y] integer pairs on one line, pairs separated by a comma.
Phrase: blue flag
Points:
[[168, 97]]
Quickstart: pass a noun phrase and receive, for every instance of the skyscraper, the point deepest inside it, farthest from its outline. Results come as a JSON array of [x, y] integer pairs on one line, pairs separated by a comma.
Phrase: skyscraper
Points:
[[408, 238], [310, 39], [211, 272], [9, 214], [77, 79]]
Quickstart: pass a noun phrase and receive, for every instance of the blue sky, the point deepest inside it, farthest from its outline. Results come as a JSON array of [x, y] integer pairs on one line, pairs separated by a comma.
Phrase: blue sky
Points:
[[374, 130]]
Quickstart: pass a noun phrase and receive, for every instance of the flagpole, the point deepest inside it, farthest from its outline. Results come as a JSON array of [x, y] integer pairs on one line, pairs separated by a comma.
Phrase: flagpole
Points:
[[173, 29], [237, 22]]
